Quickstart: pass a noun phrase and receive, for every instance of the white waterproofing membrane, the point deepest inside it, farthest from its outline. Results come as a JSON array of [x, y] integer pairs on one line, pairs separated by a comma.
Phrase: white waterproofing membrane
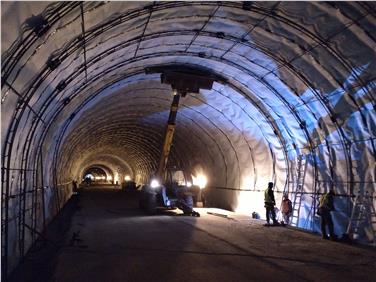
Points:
[[295, 80]]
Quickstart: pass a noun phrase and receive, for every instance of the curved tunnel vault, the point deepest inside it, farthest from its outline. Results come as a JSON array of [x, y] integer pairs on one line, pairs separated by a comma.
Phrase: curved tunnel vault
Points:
[[296, 84]]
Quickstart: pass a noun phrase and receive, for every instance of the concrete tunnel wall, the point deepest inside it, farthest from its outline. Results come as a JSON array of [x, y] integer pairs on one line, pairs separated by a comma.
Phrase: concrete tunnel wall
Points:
[[296, 79]]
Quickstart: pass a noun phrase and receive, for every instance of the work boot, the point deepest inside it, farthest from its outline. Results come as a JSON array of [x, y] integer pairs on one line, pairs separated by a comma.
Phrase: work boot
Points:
[[333, 237]]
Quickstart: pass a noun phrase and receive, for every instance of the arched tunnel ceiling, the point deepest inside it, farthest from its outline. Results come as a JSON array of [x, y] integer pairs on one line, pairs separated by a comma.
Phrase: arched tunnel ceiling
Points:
[[296, 78]]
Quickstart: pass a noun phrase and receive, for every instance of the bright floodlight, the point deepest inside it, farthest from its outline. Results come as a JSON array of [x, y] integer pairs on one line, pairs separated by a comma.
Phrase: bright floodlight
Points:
[[127, 178], [154, 183], [89, 176], [189, 184], [200, 181]]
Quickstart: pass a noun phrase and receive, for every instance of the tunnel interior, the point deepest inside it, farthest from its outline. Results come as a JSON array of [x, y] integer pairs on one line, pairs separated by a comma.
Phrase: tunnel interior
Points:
[[98, 174], [293, 102]]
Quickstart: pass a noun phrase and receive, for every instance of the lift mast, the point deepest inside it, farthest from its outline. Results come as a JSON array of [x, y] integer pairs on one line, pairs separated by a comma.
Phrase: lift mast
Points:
[[169, 134], [183, 80]]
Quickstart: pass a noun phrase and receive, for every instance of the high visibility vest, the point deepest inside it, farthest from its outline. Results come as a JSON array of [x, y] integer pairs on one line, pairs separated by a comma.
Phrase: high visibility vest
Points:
[[267, 197], [286, 206]]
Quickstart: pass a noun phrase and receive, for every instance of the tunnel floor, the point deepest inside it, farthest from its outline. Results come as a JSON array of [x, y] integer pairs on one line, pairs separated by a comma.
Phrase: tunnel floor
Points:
[[102, 236]]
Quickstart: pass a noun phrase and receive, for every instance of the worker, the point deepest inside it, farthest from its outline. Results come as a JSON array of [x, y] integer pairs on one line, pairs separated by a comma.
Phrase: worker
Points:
[[286, 209], [326, 206], [269, 204]]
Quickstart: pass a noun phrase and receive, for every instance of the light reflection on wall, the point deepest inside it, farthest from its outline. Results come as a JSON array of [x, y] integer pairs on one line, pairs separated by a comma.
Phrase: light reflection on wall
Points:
[[249, 202]]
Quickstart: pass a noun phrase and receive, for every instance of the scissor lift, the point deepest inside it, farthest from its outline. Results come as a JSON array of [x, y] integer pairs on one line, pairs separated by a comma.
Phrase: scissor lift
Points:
[[183, 80]]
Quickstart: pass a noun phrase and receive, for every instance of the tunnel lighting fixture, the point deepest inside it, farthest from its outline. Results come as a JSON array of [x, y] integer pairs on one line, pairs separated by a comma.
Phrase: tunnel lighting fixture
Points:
[[200, 180], [220, 35], [39, 24], [53, 63], [127, 178], [202, 54], [333, 118], [189, 184], [66, 101], [61, 86], [109, 178], [154, 183], [302, 124]]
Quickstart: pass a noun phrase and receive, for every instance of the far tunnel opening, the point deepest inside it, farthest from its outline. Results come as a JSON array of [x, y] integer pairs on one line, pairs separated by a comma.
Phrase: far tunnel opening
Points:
[[97, 175]]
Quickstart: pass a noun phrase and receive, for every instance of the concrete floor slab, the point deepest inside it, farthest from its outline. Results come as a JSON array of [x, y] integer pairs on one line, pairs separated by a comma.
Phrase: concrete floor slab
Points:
[[109, 239]]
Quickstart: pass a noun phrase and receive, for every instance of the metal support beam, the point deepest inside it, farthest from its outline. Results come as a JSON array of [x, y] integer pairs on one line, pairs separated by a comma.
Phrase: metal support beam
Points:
[[170, 129], [83, 36]]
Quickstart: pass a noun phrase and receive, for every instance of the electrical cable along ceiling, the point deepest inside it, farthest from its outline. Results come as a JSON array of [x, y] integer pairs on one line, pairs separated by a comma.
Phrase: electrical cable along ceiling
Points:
[[295, 92]]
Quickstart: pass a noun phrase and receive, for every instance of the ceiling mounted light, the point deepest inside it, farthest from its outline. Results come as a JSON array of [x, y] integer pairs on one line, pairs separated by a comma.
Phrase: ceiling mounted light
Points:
[[38, 24], [53, 63], [62, 84]]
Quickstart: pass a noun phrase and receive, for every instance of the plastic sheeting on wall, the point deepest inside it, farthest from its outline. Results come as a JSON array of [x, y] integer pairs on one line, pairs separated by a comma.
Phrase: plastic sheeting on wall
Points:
[[289, 84]]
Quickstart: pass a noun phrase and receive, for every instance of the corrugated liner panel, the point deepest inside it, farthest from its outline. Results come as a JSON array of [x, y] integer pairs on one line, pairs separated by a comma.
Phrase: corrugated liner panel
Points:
[[222, 143], [352, 10], [279, 37], [240, 140], [322, 162], [8, 104], [221, 198], [290, 10], [355, 128], [248, 50], [167, 44], [310, 121], [328, 27], [255, 137], [239, 16], [227, 26], [248, 63], [211, 156], [368, 24], [314, 73], [287, 96], [223, 135], [96, 16], [263, 161], [337, 70], [339, 164], [20, 139], [296, 132], [364, 165], [293, 86], [309, 179], [358, 50], [15, 16], [185, 19]]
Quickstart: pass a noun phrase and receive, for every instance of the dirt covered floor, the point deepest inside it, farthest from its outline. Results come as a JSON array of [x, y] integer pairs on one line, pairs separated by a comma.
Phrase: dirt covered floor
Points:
[[101, 235]]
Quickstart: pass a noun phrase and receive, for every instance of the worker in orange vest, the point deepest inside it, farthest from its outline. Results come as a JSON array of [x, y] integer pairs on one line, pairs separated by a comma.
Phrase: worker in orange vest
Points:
[[286, 209]]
